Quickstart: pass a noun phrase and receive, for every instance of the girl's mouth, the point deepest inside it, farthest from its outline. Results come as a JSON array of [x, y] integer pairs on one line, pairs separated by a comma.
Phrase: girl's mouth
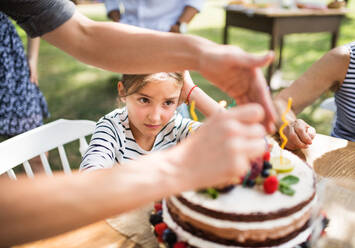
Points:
[[152, 126]]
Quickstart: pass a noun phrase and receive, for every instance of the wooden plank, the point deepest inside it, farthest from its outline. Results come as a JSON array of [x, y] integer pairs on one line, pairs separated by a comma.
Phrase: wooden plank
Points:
[[99, 234]]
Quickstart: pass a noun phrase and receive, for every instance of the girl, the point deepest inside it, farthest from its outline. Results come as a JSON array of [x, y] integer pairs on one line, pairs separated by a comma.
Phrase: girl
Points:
[[334, 71], [148, 122]]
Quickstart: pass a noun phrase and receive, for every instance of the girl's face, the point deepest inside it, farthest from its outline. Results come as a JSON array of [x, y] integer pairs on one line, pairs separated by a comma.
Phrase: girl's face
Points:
[[151, 108]]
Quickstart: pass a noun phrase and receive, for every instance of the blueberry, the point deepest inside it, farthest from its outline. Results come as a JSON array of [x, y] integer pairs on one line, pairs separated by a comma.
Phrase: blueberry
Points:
[[169, 236], [265, 173], [305, 245], [155, 219], [266, 165], [160, 213], [325, 222], [250, 183]]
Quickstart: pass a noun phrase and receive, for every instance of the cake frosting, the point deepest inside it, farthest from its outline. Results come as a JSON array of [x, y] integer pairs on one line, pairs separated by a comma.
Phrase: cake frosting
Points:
[[246, 216]]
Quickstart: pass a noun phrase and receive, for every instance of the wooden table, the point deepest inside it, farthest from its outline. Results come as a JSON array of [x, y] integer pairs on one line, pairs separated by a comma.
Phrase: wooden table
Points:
[[279, 22], [101, 234]]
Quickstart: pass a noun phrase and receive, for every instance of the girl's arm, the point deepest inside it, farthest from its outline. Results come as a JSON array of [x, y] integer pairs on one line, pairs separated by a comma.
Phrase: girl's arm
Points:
[[204, 103], [32, 55], [327, 73], [103, 144]]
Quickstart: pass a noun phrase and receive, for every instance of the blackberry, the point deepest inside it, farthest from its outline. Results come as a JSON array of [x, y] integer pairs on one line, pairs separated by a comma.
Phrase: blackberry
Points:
[[155, 219], [169, 236]]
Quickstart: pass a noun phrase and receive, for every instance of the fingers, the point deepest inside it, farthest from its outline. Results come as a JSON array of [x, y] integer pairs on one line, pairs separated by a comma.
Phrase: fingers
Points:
[[250, 148], [301, 130], [249, 113], [312, 132], [265, 100], [250, 60], [234, 128], [294, 141], [34, 80]]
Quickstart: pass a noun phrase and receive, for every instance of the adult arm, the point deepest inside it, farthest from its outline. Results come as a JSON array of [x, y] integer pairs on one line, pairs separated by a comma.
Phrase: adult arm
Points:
[[36, 209], [186, 16], [32, 56], [130, 49], [327, 73]]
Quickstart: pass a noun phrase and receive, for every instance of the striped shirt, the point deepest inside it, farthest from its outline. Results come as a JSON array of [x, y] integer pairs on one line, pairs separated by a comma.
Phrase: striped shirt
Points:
[[113, 141], [344, 126]]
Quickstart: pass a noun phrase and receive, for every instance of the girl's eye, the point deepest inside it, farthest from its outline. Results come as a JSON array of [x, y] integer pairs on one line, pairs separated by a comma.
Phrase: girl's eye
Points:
[[143, 100], [170, 102]]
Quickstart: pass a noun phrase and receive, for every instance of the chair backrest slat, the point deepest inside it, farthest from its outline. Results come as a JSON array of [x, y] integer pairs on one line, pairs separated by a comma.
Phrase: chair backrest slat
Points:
[[64, 159], [38, 141], [11, 174], [28, 169], [45, 163], [83, 146]]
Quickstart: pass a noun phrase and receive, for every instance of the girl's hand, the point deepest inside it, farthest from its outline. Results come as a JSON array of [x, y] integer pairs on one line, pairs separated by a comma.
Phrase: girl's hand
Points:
[[299, 135], [187, 86]]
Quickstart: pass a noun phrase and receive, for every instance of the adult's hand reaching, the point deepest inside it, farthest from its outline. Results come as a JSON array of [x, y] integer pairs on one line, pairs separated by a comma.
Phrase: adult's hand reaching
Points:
[[220, 150], [238, 73]]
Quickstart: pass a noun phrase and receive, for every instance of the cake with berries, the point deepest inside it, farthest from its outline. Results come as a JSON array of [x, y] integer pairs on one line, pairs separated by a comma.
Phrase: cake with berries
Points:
[[271, 207]]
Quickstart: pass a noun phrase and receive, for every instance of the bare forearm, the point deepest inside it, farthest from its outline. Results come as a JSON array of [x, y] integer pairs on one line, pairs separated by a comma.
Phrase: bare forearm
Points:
[[30, 211], [281, 106], [33, 49], [204, 103], [324, 74], [121, 48], [188, 13]]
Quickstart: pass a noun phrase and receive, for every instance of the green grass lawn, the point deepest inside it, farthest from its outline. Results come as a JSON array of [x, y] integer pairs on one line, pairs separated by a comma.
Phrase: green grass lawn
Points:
[[78, 91]]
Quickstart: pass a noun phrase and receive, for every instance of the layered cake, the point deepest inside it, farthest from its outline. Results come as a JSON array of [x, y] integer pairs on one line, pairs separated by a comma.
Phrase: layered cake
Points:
[[271, 207]]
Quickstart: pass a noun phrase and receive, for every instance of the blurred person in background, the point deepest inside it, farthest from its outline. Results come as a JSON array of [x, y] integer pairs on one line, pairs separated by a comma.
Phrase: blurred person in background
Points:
[[167, 16]]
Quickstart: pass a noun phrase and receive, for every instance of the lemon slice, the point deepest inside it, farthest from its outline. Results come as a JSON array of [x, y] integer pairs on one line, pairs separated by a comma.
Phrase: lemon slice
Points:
[[284, 167]]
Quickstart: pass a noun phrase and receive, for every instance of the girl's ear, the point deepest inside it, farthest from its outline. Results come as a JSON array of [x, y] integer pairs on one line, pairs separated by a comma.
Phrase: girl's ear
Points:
[[121, 91]]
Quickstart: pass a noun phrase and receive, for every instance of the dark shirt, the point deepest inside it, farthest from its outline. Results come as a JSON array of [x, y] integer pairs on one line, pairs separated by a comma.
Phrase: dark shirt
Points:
[[38, 17]]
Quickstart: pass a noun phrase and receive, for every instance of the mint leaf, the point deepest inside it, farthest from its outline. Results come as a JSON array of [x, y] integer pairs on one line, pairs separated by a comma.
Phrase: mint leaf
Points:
[[289, 180], [286, 189], [213, 193]]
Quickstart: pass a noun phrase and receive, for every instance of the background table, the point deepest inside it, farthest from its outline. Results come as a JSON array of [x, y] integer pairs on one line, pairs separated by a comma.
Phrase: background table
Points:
[[322, 154], [280, 22]]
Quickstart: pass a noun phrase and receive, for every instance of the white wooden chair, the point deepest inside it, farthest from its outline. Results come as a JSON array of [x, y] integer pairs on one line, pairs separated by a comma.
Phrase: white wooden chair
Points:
[[21, 148]]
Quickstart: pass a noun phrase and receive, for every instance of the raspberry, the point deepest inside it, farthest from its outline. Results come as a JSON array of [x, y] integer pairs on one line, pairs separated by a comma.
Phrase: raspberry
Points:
[[160, 239], [158, 207], [160, 228], [271, 184], [266, 156], [180, 245]]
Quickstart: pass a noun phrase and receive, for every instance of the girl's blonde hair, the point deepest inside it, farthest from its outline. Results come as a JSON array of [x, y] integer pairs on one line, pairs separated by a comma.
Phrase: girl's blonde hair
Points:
[[134, 82]]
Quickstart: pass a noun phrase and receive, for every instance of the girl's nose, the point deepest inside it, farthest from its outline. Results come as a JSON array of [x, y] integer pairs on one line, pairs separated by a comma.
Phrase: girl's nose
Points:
[[155, 114]]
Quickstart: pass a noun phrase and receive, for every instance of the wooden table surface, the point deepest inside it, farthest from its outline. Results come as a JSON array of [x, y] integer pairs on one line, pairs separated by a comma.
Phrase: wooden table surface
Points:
[[279, 22], [325, 154], [273, 12]]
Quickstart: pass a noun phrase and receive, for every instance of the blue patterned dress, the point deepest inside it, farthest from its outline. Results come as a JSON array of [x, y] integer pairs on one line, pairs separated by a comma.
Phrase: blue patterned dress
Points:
[[22, 105]]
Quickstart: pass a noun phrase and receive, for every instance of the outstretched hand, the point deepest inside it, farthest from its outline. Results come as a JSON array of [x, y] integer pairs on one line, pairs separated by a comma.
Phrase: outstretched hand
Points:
[[238, 74], [221, 149]]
